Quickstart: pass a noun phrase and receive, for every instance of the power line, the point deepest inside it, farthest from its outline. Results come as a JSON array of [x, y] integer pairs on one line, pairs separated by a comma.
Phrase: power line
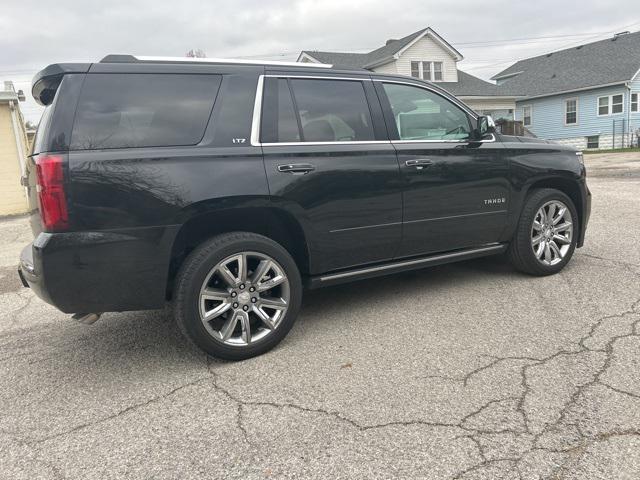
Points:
[[474, 44]]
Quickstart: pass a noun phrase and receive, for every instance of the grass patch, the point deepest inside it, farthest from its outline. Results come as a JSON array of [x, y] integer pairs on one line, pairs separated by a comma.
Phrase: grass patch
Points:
[[614, 150]]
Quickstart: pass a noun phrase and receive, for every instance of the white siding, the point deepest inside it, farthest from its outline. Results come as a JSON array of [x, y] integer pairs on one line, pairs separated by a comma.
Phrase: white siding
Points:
[[489, 104], [387, 68], [426, 50]]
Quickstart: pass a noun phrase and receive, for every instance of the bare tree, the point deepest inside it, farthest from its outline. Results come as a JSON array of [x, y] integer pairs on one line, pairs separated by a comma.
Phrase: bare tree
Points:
[[196, 53]]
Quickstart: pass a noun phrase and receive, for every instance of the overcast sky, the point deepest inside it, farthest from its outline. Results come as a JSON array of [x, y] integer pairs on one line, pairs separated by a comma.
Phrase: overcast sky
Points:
[[491, 35]]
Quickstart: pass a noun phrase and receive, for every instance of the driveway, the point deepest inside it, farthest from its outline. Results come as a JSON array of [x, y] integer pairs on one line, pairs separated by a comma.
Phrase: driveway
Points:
[[469, 370]]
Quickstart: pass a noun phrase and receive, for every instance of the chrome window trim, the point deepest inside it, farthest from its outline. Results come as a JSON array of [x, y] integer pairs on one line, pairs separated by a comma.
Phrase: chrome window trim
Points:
[[317, 77], [257, 112], [351, 142]]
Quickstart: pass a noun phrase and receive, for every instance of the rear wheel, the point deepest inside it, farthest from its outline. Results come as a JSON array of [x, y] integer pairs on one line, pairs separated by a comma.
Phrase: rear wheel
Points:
[[545, 239], [238, 295]]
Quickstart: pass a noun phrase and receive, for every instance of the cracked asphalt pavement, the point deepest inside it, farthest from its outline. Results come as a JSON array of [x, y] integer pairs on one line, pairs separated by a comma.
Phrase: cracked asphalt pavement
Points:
[[464, 371]]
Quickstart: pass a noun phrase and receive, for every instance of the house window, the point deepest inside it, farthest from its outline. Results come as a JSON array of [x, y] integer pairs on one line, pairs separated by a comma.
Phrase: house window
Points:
[[437, 71], [634, 102], [415, 69], [571, 111], [526, 115], [593, 142], [426, 71], [603, 106], [617, 104], [610, 105], [430, 71]]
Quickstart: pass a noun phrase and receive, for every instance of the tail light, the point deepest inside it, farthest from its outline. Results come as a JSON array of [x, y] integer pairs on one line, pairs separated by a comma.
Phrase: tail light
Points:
[[51, 194]]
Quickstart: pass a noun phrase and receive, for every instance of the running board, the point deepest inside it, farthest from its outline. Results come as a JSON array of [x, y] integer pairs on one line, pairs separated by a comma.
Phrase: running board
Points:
[[403, 265]]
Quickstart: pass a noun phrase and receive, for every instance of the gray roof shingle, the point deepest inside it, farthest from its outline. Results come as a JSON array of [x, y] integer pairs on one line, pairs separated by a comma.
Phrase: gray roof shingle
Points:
[[470, 86], [340, 59], [467, 85], [364, 60], [604, 62]]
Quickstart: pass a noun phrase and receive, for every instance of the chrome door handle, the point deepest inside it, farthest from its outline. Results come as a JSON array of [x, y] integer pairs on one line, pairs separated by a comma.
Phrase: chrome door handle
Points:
[[296, 168], [419, 162]]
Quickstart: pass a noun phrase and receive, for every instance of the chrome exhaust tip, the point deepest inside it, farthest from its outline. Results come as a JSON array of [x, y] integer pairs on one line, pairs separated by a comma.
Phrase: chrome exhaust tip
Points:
[[86, 318]]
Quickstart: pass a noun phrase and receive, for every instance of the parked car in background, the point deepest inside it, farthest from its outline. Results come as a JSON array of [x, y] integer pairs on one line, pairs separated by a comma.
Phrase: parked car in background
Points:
[[226, 187]]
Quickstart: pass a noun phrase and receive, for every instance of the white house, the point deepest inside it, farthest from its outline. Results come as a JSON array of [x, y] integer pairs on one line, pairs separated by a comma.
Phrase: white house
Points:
[[426, 55]]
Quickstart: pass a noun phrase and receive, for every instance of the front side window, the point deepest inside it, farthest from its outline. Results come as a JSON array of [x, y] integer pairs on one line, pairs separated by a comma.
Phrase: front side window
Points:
[[143, 110], [617, 102], [526, 116], [571, 112], [424, 115], [437, 71], [634, 102]]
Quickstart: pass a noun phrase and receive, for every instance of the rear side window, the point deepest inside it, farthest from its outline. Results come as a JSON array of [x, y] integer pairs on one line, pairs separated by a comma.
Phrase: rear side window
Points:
[[279, 122], [143, 110], [318, 111]]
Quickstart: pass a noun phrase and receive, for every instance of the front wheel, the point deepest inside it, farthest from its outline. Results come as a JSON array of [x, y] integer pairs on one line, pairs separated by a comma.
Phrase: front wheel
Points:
[[546, 236], [238, 295]]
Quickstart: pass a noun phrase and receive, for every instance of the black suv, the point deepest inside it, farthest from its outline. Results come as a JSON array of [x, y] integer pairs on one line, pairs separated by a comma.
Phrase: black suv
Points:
[[226, 186]]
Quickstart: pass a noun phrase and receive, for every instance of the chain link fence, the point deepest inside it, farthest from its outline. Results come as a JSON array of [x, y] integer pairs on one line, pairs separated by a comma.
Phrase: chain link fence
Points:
[[625, 133]]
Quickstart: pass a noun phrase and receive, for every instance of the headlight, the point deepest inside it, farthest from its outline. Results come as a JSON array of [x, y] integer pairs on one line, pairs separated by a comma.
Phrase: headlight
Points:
[[580, 157]]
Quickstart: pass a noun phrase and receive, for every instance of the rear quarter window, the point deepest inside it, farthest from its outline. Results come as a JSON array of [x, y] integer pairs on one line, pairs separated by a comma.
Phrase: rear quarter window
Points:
[[143, 110], [39, 140]]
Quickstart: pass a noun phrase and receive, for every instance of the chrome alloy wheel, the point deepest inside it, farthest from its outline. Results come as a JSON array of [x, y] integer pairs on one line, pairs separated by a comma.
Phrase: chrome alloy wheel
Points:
[[552, 232], [244, 298]]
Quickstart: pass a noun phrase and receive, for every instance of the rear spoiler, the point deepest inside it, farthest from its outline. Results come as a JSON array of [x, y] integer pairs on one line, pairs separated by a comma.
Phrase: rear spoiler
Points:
[[46, 81]]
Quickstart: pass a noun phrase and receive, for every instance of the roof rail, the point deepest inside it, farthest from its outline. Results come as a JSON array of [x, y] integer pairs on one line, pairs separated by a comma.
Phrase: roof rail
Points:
[[137, 59]]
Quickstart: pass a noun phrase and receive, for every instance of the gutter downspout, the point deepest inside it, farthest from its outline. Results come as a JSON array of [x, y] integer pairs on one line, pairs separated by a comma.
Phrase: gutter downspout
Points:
[[629, 140]]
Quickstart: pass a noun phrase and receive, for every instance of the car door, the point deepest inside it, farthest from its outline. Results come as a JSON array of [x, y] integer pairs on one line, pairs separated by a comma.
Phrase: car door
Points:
[[455, 189], [330, 164]]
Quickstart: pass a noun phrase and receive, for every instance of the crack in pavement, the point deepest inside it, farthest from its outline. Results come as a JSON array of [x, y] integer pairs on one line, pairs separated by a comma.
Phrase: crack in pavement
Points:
[[476, 433], [475, 426], [120, 413], [294, 406]]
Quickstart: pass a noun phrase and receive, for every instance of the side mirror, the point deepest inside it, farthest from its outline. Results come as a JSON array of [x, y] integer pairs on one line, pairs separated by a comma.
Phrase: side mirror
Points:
[[486, 126]]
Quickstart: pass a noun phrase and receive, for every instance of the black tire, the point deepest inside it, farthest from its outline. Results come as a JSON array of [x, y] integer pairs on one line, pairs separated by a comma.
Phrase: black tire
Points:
[[193, 273], [520, 252]]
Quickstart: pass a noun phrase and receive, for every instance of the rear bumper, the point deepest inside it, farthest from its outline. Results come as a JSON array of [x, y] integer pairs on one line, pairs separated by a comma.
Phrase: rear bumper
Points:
[[99, 271]]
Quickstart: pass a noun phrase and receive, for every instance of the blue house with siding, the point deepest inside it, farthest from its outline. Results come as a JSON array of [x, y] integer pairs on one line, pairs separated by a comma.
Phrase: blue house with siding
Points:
[[586, 96]]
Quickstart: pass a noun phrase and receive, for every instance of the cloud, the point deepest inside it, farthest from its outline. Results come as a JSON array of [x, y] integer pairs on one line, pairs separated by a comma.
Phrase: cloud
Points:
[[35, 33]]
